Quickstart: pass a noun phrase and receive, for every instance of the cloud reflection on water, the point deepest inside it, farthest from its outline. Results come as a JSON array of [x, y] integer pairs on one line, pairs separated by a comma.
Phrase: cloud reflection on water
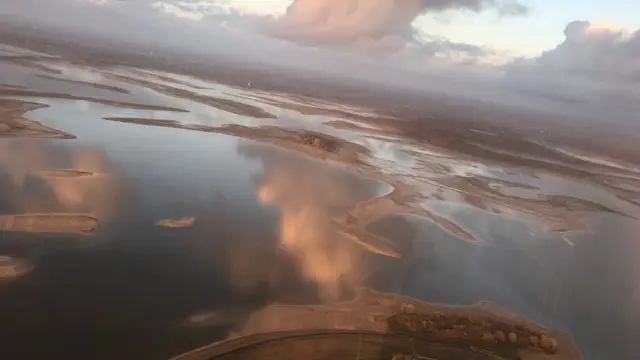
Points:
[[309, 195], [43, 182]]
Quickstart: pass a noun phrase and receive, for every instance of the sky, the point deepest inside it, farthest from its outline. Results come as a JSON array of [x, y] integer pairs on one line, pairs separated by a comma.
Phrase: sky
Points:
[[539, 30], [528, 35], [528, 42]]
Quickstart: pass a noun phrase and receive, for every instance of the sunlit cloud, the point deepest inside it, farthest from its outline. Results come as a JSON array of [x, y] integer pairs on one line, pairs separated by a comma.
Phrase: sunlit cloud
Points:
[[605, 26]]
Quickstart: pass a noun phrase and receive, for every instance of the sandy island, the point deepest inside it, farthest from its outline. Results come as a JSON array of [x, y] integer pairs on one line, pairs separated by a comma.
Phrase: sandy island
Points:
[[91, 84], [13, 123], [62, 173], [228, 105], [49, 223], [482, 331], [11, 268], [315, 144], [11, 91], [177, 223]]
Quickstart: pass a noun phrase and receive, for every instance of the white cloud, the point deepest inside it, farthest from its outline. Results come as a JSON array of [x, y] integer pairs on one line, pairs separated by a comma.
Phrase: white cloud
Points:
[[599, 51], [178, 11], [349, 21]]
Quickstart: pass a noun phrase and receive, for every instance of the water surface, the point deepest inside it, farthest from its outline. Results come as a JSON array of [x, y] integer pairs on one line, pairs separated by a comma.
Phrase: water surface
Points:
[[286, 198]]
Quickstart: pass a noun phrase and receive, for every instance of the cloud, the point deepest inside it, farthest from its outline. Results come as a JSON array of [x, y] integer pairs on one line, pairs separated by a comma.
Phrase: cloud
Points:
[[178, 11], [368, 27], [598, 51], [440, 47], [350, 21], [513, 9]]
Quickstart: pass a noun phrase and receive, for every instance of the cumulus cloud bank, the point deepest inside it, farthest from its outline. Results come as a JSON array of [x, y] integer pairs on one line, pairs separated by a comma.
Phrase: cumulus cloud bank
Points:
[[349, 21], [599, 51], [372, 25]]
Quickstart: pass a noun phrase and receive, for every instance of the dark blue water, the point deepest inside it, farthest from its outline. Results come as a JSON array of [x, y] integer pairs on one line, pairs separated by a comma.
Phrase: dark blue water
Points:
[[128, 290], [131, 289]]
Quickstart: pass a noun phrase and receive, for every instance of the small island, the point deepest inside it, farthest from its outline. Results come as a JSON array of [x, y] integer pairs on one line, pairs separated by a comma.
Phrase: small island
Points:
[[388, 326]]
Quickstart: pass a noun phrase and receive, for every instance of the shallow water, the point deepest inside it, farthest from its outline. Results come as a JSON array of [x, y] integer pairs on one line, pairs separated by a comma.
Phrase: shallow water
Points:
[[285, 218]]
